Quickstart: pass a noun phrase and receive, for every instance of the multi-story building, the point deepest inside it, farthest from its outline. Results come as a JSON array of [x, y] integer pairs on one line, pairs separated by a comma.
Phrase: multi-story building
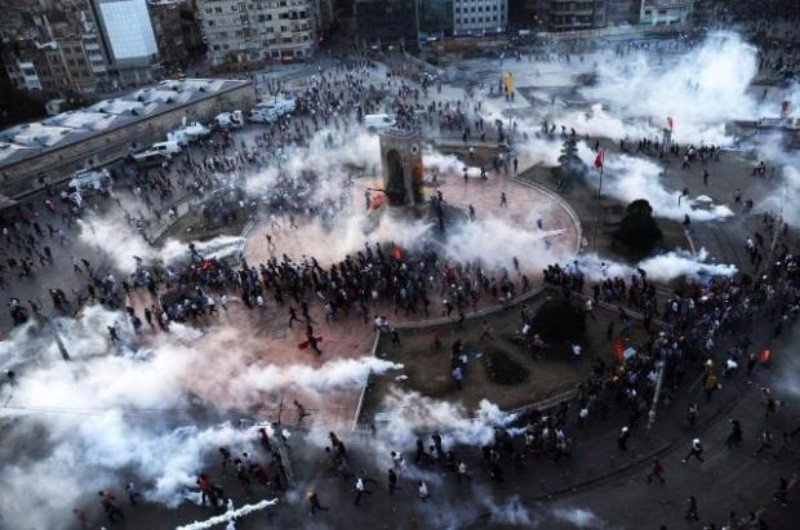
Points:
[[168, 22], [480, 17], [434, 19], [43, 51], [522, 15], [386, 21], [665, 12], [572, 15], [128, 39], [623, 12], [257, 30], [83, 45]]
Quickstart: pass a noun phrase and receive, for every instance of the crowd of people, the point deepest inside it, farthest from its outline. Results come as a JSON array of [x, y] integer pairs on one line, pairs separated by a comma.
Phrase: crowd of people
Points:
[[714, 329]]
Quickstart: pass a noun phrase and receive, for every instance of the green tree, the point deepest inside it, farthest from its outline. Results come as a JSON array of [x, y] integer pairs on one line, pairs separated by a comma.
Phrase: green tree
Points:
[[571, 166], [638, 229]]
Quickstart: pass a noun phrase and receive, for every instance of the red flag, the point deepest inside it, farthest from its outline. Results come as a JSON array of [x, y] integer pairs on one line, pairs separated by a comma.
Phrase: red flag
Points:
[[397, 253], [376, 201], [618, 348], [670, 122], [599, 159], [764, 356]]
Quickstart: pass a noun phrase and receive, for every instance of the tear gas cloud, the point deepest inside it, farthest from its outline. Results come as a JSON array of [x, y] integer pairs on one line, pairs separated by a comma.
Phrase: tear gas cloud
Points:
[[331, 155], [495, 242], [782, 197], [118, 240], [663, 267], [102, 414], [701, 89], [412, 412], [580, 517], [630, 178]]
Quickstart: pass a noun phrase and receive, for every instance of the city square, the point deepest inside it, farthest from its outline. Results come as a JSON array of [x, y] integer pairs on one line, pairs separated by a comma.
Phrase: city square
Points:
[[400, 264]]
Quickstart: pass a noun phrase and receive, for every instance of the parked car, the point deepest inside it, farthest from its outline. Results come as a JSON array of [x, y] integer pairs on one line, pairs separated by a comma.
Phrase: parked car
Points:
[[229, 120]]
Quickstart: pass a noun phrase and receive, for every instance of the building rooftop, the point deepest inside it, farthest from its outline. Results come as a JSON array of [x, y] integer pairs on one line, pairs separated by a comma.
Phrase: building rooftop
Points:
[[28, 140]]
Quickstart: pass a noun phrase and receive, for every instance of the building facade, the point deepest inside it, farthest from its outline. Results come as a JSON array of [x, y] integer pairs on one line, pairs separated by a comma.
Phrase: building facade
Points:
[[167, 17], [434, 19], [384, 22], [572, 15], [522, 15], [480, 17], [623, 12], [665, 12], [84, 46], [258, 30]]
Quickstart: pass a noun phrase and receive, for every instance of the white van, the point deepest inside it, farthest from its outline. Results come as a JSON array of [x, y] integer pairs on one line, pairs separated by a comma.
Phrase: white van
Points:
[[168, 148], [378, 122]]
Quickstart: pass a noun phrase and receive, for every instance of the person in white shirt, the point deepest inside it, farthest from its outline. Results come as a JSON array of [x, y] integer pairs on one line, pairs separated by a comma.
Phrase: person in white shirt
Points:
[[423, 491]]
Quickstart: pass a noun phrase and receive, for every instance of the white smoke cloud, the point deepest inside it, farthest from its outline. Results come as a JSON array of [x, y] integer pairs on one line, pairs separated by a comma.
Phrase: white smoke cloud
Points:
[[412, 412], [663, 267], [103, 415], [629, 178], [495, 242], [701, 90], [111, 234], [580, 517]]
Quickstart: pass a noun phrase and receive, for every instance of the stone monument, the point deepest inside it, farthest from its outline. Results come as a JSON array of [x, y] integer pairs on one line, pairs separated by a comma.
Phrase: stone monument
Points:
[[401, 167]]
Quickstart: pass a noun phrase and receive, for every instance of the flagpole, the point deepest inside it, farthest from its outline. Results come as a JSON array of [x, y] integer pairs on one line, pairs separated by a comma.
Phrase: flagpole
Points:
[[597, 206]]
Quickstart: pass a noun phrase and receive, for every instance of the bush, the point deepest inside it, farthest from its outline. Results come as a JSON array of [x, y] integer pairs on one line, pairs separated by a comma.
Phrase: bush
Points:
[[560, 324], [504, 370], [638, 229]]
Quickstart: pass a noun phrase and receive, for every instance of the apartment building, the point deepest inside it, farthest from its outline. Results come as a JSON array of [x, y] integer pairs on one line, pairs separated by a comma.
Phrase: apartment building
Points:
[[479, 17], [256, 30], [623, 12], [665, 12], [572, 15], [386, 21]]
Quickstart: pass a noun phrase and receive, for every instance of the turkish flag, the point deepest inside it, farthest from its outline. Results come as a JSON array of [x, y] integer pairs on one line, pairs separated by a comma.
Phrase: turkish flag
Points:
[[670, 123], [397, 253], [764, 356], [377, 201], [599, 159]]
